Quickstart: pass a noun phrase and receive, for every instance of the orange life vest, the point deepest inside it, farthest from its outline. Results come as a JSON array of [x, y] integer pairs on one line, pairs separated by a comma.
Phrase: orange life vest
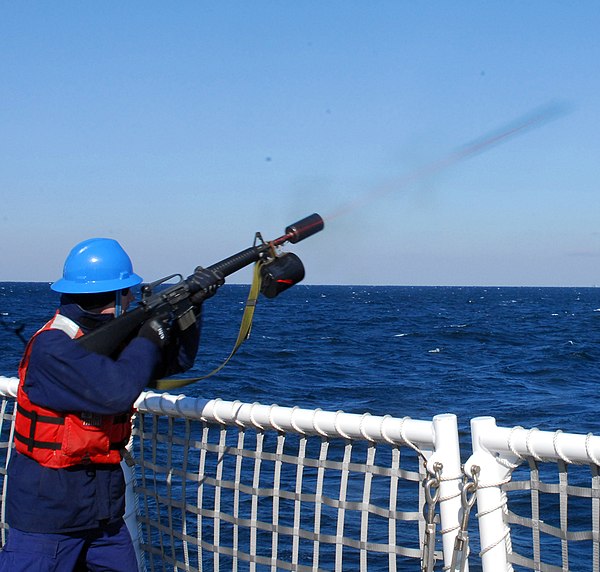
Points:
[[57, 439]]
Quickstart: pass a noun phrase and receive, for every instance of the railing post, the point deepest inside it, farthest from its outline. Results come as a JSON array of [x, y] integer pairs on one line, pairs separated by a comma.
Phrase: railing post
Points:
[[494, 534], [447, 452]]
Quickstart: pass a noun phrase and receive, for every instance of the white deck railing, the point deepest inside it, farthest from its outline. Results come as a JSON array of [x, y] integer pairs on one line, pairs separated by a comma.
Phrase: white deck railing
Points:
[[231, 485], [530, 481]]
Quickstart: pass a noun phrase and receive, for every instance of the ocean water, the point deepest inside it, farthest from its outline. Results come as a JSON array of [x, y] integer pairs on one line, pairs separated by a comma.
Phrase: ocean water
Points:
[[526, 356]]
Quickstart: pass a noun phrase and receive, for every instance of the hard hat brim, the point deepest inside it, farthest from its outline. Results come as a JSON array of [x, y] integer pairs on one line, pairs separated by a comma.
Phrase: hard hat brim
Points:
[[91, 287]]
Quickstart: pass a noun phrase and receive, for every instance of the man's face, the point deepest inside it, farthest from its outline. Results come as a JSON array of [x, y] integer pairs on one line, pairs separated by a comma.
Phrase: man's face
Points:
[[126, 298]]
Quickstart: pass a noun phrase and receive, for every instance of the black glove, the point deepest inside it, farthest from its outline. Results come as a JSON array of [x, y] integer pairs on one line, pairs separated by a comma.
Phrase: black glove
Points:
[[157, 330], [205, 283]]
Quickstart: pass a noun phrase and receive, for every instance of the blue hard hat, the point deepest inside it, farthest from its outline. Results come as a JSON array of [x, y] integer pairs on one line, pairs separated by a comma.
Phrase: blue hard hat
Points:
[[96, 265]]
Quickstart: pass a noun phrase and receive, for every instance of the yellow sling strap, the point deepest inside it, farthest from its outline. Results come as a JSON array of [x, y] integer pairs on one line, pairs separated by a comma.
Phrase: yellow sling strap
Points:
[[244, 333]]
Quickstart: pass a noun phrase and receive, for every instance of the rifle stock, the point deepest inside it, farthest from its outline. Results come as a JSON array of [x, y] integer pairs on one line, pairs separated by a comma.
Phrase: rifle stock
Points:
[[107, 339]]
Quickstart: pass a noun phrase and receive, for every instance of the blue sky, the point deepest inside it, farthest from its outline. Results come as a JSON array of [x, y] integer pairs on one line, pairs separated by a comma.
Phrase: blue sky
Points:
[[182, 128]]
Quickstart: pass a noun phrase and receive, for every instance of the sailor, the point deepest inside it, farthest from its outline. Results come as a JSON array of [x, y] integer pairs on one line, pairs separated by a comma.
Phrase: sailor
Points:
[[66, 492]]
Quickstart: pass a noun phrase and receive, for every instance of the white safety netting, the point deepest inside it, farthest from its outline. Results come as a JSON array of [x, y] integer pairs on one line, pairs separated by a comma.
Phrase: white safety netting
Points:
[[237, 495], [225, 485], [553, 510], [538, 501]]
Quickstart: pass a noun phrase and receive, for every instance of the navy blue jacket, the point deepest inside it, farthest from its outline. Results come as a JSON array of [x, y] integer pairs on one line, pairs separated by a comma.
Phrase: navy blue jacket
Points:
[[65, 377]]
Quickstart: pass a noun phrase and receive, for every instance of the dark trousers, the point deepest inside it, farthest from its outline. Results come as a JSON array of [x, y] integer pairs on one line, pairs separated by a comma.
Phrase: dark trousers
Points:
[[107, 549]]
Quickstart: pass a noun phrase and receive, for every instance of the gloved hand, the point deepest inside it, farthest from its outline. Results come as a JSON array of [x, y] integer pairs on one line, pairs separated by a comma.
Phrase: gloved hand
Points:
[[206, 282], [157, 330]]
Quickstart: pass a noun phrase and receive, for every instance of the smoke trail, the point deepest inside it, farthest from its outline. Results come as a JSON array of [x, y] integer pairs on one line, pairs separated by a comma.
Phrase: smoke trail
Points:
[[532, 120]]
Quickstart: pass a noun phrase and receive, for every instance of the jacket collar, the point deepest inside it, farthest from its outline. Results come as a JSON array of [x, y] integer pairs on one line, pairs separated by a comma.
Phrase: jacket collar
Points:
[[86, 320]]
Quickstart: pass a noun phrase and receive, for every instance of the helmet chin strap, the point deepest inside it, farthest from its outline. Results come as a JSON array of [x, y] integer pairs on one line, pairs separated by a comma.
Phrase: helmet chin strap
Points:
[[118, 304]]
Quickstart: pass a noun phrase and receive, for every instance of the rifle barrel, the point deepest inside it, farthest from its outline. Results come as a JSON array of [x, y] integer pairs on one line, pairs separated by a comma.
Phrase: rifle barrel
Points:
[[238, 261]]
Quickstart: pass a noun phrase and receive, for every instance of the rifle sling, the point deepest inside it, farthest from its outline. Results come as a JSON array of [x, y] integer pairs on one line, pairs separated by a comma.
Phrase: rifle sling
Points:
[[168, 384]]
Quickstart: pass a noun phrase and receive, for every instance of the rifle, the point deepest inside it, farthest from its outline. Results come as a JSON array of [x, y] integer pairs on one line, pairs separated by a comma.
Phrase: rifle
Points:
[[182, 301]]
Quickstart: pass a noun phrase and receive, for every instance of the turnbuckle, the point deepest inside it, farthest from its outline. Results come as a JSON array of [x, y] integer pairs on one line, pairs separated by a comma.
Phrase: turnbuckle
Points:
[[460, 553], [431, 498]]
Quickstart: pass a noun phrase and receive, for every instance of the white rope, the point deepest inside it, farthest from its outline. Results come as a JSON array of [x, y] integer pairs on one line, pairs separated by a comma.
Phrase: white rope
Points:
[[556, 448], [588, 450], [361, 428], [408, 442], [530, 446], [336, 424], [496, 543], [294, 424], [256, 424], [316, 426], [272, 421]]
